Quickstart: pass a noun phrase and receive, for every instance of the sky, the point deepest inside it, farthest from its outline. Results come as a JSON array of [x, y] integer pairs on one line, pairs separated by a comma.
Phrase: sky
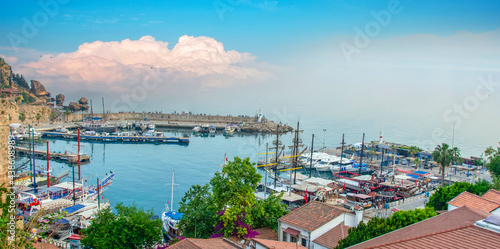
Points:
[[415, 62]]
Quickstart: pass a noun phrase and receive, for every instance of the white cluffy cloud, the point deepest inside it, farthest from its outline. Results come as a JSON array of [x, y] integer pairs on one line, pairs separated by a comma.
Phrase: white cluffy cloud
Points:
[[121, 64]]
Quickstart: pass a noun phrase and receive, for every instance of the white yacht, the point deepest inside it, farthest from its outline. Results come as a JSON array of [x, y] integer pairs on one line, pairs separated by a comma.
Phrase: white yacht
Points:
[[325, 163]]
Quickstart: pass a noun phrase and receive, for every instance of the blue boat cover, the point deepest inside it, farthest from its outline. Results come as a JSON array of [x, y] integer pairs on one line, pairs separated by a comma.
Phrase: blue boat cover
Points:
[[420, 172], [174, 215], [413, 176], [74, 208]]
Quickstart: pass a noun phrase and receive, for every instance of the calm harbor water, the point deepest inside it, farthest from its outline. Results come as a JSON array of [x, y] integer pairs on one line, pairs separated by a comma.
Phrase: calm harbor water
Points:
[[143, 171]]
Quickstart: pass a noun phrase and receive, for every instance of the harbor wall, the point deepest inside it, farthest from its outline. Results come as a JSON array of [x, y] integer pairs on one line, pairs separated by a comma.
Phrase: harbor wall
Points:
[[199, 118]]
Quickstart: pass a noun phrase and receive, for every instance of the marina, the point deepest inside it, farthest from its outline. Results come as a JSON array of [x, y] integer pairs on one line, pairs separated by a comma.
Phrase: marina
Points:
[[65, 157], [116, 138]]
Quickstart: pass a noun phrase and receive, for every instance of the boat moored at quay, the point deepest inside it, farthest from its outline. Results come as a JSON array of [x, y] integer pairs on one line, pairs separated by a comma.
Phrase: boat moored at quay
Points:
[[118, 137]]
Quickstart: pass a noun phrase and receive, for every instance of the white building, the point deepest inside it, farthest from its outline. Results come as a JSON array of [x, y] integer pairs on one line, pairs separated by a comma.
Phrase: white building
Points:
[[307, 223]]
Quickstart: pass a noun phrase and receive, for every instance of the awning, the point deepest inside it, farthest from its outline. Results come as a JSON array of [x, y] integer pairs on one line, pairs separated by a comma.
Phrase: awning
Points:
[[74, 208], [413, 176], [362, 196], [74, 237], [292, 231]]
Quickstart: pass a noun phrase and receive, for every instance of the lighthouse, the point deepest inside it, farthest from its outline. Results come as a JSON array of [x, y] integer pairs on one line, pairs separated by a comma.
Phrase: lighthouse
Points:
[[260, 115], [381, 137]]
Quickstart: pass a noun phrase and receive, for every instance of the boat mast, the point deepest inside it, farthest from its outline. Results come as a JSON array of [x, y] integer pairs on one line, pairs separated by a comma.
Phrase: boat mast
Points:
[[48, 173], [311, 159], [103, 113], [361, 155], [265, 178], [341, 150], [78, 154], [172, 196], [34, 166], [295, 152], [29, 150], [91, 112]]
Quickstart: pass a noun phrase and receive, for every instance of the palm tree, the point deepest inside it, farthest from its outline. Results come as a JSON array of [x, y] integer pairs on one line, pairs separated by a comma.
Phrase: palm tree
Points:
[[443, 156], [417, 162], [456, 156], [67, 112]]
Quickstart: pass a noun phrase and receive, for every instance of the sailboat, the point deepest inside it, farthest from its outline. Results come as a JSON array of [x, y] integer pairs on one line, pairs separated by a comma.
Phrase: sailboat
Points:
[[170, 218]]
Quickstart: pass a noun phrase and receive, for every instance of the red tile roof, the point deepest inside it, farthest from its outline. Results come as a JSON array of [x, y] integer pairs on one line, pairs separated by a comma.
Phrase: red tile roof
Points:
[[463, 237], [40, 245], [278, 244], [266, 233], [474, 201], [331, 238], [312, 215], [492, 195], [190, 243], [462, 216]]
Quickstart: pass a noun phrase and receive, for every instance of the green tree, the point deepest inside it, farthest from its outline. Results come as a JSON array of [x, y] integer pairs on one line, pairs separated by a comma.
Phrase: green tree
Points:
[[38, 116], [53, 115], [67, 112], [22, 116], [439, 200], [379, 226], [199, 212], [489, 152], [417, 162], [494, 166], [455, 152], [266, 213], [443, 156], [227, 206], [129, 228], [233, 193], [27, 98]]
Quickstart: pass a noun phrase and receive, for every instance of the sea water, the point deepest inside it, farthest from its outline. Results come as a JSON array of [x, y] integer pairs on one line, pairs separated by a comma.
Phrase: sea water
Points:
[[144, 171]]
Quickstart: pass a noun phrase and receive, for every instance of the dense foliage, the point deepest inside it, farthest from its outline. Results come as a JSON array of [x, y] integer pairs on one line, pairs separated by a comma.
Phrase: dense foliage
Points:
[[227, 206], [20, 81], [439, 199], [199, 217], [379, 226], [27, 98], [494, 165], [129, 228]]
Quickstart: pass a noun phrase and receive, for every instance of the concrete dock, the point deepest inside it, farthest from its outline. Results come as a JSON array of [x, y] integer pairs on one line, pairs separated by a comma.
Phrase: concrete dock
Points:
[[69, 157]]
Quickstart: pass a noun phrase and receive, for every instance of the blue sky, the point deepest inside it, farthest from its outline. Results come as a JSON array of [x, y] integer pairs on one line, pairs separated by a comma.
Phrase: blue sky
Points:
[[246, 26], [305, 56]]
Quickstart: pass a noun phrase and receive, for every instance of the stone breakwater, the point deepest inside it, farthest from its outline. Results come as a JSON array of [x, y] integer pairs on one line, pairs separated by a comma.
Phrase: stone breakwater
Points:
[[246, 123]]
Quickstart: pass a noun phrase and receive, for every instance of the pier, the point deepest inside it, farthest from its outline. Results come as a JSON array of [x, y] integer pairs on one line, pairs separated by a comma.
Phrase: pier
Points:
[[125, 139], [69, 157], [188, 120]]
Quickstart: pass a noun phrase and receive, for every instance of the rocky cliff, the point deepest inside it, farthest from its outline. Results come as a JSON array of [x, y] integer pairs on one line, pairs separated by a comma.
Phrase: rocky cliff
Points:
[[5, 72]]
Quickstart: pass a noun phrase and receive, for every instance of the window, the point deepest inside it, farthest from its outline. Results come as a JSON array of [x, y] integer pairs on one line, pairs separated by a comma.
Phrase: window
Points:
[[293, 239], [304, 242]]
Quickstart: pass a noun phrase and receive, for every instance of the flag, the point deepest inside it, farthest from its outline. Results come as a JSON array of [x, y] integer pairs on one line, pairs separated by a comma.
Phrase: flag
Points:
[[225, 157], [344, 185], [305, 197]]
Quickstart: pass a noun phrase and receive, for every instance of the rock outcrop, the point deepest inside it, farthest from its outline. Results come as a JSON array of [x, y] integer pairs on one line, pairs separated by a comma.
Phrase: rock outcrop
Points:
[[38, 89], [60, 99], [75, 106], [83, 101]]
